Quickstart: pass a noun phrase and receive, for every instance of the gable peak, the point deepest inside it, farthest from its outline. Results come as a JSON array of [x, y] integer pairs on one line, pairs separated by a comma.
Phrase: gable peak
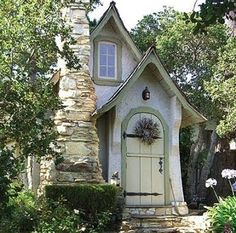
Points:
[[112, 12], [112, 3]]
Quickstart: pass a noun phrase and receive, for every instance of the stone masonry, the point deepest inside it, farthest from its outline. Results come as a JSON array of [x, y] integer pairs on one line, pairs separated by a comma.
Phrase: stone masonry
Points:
[[78, 138]]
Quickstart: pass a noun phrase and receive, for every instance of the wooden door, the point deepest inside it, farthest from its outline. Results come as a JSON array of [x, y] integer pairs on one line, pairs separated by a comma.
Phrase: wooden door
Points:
[[145, 180]]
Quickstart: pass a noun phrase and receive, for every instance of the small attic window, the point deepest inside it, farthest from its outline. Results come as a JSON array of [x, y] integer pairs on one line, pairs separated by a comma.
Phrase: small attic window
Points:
[[107, 54], [107, 60]]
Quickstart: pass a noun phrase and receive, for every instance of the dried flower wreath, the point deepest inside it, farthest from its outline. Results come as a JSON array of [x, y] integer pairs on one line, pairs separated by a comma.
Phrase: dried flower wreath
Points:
[[147, 130]]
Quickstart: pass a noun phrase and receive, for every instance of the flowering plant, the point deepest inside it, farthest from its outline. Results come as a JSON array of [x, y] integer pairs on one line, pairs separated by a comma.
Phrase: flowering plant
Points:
[[210, 183], [223, 214], [229, 174]]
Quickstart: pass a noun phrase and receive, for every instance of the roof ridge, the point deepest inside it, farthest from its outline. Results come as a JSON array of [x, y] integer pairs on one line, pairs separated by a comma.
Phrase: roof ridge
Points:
[[112, 3], [102, 17], [113, 7]]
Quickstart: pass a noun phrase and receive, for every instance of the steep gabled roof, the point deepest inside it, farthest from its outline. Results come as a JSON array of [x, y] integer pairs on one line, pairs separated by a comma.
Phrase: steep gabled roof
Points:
[[190, 114], [112, 12]]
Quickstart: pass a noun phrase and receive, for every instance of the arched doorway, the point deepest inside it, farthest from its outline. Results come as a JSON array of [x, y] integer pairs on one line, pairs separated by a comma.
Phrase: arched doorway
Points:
[[144, 165]]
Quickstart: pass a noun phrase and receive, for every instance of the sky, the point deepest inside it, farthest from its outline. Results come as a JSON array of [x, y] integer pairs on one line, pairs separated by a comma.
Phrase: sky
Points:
[[133, 10]]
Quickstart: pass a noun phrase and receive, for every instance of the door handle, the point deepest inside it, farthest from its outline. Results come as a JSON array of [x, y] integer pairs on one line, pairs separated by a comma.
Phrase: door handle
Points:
[[161, 165]]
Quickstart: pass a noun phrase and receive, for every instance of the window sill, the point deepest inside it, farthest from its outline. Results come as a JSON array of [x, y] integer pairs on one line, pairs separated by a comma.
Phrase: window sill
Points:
[[107, 82]]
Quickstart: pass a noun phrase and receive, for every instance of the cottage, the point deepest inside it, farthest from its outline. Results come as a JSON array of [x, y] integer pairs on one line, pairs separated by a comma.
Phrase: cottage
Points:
[[138, 113], [135, 92]]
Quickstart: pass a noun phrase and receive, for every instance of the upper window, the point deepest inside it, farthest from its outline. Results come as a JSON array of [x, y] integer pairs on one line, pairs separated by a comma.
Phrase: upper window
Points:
[[107, 56], [107, 60]]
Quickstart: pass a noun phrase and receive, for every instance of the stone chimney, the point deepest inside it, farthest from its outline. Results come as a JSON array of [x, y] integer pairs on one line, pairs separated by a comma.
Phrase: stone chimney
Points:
[[77, 131]]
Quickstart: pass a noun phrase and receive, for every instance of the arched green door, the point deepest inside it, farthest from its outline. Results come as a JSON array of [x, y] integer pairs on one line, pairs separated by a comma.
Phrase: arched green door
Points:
[[144, 165]]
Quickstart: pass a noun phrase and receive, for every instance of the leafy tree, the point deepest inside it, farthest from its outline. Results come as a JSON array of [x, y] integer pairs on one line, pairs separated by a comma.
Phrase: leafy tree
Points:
[[222, 88], [148, 28], [28, 58], [190, 58], [92, 24], [145, 32], [211, 12], [93, 4]]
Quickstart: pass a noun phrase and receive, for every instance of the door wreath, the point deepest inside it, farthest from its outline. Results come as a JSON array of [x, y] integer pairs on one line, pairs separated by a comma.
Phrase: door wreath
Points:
[[147, 130]]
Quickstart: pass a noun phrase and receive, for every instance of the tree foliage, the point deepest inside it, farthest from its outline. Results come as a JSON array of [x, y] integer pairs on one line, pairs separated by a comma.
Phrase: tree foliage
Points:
[[190, 58], [222, 88], [148, 28], [93, 4], [145, 32], [28, 58], [211, 12]]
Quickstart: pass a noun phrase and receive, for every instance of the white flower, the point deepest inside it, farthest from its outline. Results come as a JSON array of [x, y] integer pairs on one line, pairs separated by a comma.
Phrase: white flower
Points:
[[76, 211], [225, 173], [210, 182], [83, 229], [228, 173]]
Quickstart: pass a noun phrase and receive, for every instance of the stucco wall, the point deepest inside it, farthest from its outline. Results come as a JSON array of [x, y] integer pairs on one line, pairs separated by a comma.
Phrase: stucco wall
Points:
[[103, 144], [170, 110]]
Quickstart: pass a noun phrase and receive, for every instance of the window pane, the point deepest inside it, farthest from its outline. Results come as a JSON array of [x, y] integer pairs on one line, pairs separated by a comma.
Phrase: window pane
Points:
[[111, 49], [107, 60], [103, 49], [103, 71], [111, 72], [103, 59], [111, 60]]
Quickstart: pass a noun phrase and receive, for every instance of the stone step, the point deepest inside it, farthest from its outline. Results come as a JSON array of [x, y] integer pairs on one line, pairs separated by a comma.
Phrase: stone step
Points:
[[162, 230], [172, 210], [174, 230], [165, 224], [168, 217], [157, 230], [156, 221]]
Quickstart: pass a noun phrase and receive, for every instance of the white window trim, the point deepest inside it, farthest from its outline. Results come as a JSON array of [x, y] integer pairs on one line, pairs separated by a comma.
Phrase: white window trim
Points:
[[107, 77]]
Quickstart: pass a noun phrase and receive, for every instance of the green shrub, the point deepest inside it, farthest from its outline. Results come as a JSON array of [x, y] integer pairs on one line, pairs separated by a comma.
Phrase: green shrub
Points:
[[55, 217], [21, 215], [223, 214], [91, 199], [98, 224], [67, 209]]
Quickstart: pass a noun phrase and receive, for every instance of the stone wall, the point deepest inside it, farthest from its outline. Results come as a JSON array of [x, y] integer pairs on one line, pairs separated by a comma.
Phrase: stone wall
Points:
[[78, 139]]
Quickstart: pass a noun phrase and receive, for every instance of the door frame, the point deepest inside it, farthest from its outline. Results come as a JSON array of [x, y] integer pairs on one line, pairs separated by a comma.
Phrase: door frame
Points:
[[166, 147]]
